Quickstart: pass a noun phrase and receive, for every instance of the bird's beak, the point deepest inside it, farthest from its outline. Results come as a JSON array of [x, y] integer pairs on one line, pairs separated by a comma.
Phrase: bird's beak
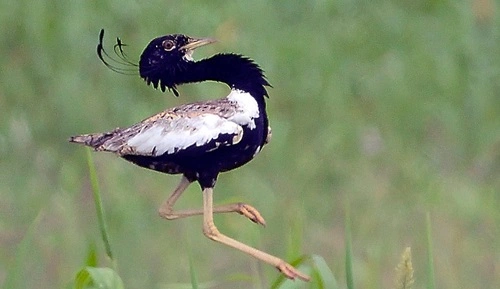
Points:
[[194, 43]]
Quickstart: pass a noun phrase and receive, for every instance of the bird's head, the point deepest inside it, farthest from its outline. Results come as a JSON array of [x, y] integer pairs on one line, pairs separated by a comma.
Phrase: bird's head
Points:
[[165, 58], [162, 62]]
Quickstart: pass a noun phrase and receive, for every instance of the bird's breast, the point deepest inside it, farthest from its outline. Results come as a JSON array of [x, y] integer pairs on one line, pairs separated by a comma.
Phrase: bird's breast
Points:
[[247, 108]]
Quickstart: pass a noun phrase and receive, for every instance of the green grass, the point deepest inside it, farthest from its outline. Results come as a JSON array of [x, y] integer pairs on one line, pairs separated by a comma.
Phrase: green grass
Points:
[[92, 276], [99, 208], [391, 105]]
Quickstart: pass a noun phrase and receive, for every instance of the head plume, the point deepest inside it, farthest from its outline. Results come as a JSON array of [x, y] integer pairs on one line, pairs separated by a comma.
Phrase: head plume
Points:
[[162, 62]]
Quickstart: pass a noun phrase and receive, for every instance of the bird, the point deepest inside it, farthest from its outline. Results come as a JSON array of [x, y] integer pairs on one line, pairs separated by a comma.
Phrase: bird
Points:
[[197, 140]]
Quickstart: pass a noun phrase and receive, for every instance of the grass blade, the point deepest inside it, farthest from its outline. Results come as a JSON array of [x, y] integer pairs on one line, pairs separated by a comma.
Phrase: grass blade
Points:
[[102, 278], [91, 259], [98, 205], [192, 271], [348, 248], [15, 273], [91, 277], [281, 282], [323, 274], [431, 282]]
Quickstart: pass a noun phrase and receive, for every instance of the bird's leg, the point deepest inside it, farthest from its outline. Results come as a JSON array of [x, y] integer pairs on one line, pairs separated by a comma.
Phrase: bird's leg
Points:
[[166, 209], [211, 231]]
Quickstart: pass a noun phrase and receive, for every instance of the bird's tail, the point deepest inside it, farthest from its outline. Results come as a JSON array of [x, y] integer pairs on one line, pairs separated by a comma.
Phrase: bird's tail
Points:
[[92, 140]]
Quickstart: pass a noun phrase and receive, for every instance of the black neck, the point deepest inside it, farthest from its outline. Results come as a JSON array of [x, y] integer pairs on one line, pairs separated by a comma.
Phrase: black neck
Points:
[[237, 71]]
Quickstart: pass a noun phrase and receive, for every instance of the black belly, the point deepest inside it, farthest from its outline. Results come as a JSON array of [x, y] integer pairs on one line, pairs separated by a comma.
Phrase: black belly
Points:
[[196, 163]]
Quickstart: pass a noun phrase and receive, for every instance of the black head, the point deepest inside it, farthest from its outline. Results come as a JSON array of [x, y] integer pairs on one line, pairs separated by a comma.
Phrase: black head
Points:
[[162, 61], [165, 58]]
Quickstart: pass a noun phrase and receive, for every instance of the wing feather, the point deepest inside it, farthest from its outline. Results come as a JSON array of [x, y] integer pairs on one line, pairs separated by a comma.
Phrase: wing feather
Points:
[[201, 133]]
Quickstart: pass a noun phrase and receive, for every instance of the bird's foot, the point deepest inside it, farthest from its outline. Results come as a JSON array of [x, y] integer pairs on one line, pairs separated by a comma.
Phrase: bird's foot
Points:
[[291, 273], [251, 213]]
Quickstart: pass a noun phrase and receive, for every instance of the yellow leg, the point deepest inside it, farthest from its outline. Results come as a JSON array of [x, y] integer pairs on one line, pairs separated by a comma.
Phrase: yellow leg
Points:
[[211, 231], [166, 209]]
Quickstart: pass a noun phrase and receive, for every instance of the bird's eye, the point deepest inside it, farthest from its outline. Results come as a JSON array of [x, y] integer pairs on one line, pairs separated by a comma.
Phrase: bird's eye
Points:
[[168, 45]]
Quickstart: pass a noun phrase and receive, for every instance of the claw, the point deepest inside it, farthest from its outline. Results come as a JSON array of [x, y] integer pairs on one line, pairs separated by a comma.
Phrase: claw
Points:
[[291, 273], [251, 213]]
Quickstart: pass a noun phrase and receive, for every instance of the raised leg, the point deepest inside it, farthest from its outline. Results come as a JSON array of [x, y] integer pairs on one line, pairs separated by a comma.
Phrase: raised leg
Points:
[[166, 209], [211, 231]]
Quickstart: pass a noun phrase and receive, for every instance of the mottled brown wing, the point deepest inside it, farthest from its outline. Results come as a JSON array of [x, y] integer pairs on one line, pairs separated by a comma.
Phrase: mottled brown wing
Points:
[[203, 125]]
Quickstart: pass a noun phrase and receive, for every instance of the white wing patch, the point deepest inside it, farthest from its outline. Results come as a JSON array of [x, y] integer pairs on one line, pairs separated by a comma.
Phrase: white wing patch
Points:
[[248, 109], [170, 136]]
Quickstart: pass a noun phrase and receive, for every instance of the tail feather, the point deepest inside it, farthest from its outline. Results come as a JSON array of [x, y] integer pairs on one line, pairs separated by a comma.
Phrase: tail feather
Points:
[[92, 140]]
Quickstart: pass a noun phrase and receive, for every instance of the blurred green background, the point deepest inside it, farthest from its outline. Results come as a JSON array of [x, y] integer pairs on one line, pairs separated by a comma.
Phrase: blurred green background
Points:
[[390, 107]]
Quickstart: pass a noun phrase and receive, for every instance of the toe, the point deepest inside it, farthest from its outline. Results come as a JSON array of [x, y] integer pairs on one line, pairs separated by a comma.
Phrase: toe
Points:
[[291, 273], [252, 214]]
